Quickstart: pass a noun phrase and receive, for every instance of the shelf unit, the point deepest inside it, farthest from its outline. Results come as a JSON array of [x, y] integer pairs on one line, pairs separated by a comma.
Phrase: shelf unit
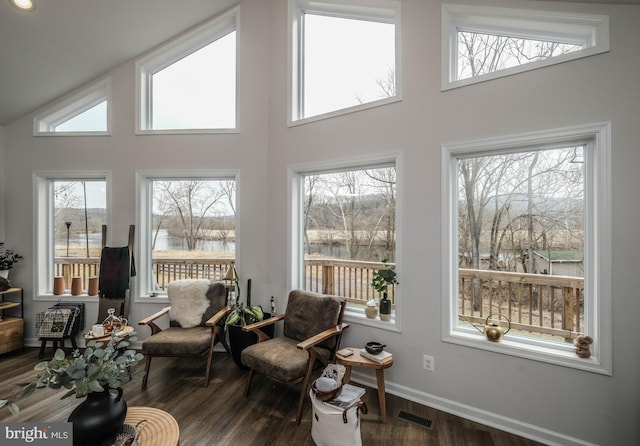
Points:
[[11, 327]]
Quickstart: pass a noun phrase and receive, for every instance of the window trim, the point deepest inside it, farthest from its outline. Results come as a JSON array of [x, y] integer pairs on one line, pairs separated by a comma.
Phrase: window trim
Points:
[[356, 9], [45, 122], [44, 241], [144, 178], [598, 254], [591, 29], [295, 242], [170, 53]]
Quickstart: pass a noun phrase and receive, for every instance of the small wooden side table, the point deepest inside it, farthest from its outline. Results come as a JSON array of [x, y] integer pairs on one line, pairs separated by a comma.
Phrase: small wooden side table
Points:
[[357, 360], [158, 429]]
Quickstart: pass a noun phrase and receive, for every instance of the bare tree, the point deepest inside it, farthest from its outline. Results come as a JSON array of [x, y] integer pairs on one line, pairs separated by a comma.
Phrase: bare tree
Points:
[[311, 183], [485, 53], [352, 208], [189, 202], [541, 188], [384, 180]]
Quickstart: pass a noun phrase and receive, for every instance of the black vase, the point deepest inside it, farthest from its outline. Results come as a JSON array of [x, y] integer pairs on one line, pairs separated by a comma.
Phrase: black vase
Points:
[[385, 307], [239, 340], [98, 419]]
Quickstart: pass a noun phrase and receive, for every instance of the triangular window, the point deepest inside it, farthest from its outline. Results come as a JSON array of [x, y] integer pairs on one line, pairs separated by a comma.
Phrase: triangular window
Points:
[[84, 112], [482, 43], [189, 85]]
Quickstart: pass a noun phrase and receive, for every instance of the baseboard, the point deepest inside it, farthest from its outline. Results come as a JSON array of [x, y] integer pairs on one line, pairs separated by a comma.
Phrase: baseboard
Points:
[[516, 427], [491, 419]]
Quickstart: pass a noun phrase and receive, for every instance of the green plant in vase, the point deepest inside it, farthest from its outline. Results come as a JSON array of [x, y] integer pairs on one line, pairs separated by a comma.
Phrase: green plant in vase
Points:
[[240, 316], [99, 367], [380, 281], [92, 374]]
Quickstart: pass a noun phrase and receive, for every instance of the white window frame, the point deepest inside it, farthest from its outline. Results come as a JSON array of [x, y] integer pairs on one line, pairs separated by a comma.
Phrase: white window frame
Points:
[[188, 43], [589, 29], [388, 11], [144, 201], [598, 254], [45, 122], [295, 259], [44, 249]]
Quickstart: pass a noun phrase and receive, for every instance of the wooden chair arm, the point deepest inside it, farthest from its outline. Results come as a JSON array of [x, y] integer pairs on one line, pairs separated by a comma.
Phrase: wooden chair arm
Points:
[[150, 320], [218, 316], [328, 333], [256, 326], [263, 323]]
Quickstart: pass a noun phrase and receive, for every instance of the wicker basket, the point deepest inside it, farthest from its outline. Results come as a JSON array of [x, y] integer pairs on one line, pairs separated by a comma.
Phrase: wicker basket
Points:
[[326, 396]]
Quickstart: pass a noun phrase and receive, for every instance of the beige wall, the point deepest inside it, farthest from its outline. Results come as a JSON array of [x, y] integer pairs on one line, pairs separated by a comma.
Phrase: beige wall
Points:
[[545, 401]]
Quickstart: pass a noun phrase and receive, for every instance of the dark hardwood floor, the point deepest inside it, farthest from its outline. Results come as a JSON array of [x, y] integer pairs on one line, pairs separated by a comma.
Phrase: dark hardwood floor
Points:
[[219, 415]]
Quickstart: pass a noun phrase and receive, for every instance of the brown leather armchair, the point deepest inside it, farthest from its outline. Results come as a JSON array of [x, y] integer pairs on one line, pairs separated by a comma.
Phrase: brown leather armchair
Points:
[[196, 315], [311, 336]]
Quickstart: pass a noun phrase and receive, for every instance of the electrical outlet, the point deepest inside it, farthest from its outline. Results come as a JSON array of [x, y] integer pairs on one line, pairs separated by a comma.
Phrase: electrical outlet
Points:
[[428, 363]]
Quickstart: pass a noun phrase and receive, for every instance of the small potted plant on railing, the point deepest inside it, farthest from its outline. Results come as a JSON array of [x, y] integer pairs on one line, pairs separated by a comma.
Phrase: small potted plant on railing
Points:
[[382, 278]]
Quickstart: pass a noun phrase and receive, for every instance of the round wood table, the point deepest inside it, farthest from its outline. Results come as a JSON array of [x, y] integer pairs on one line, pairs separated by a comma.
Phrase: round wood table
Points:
[[357, 360], [157, 427]]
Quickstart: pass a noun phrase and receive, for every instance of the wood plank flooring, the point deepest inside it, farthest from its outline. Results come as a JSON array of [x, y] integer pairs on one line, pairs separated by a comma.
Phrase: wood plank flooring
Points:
[[219, 415]]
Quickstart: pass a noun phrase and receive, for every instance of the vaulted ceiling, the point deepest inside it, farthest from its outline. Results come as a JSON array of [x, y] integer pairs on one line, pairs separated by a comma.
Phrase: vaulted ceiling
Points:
[[66, 43]]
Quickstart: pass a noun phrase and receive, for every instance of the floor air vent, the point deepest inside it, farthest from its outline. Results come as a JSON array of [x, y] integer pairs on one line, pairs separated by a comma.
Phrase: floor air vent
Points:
[[415, 419]]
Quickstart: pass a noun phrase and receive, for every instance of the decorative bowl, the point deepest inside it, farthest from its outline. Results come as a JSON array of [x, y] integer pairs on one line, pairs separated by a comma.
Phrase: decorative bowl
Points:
[[375, 348]]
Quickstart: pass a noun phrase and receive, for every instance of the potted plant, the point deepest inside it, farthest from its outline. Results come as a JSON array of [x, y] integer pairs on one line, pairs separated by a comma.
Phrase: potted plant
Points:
[[7, 259], [93, 373], [240, 316], [382, 278]]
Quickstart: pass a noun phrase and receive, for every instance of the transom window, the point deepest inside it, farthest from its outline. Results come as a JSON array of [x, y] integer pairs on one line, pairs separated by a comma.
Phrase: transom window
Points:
[[189, 85], [480, 53], [344, 57], [86, 112], [527, 239], [344, 227], [482, 43]]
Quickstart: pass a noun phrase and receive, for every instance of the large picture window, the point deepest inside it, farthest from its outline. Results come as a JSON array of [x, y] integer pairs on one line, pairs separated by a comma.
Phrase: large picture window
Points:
[[345, 230], [527, 238], [71, 212], [188, 228]]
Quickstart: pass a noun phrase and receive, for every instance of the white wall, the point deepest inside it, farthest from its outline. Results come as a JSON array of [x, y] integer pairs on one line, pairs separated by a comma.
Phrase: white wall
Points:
[[547, 402], [2, 170]]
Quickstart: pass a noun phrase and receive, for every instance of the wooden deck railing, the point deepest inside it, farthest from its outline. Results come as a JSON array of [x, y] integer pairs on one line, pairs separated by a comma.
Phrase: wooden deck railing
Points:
[[544, 304], [167, 270], [346, 278], [539, 303], [164, 270], [83, 267]]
